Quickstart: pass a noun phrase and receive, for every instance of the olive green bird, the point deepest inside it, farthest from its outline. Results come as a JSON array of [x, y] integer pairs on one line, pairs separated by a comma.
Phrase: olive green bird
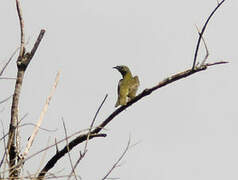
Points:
[[127, 86]]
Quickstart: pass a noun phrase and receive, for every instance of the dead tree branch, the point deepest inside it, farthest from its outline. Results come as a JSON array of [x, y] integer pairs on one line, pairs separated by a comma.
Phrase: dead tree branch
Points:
[[71, 145], [202, 32], [22, 62], [116, 164]]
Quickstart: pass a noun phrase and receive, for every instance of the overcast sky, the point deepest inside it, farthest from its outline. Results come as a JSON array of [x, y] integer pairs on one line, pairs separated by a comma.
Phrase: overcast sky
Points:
[[186, 130]]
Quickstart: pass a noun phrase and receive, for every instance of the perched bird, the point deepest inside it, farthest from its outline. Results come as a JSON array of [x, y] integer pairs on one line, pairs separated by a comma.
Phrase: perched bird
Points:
[[127, 86]]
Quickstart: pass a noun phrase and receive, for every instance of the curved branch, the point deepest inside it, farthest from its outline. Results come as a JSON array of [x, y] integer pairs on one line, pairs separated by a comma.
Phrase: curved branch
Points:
[[203, 30], [95, 133]]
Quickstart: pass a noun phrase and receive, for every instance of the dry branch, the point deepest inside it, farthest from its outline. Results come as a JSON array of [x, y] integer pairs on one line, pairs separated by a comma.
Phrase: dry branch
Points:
[[202, 32], [22, 62], [119, 159], [34, 133]]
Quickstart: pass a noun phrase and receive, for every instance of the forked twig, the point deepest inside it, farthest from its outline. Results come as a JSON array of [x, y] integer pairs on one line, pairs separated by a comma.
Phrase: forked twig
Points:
[[23, 61], [202, 32]]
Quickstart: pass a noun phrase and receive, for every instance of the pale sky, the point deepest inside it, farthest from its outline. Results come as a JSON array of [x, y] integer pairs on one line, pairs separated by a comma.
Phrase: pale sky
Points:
[[186, 130]]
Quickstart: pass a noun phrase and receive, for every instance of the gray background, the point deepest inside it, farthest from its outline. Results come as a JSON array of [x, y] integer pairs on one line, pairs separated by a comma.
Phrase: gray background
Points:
[[186, 130]]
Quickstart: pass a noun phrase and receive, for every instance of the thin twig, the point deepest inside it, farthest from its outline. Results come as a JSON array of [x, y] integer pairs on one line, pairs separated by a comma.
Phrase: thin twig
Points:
[[34, 133], [4, 155], [22, 46], [216, 63], [119, 159], [89, 134], [7, 78], [206, 48], [201, 34], [37, 43], [62, 140], [95, 116], [43, 157], [4, 100], [81, 156], [67, 142], [7, 63]]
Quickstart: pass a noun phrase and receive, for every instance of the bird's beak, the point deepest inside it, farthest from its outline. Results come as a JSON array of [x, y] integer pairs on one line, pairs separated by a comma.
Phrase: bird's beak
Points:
[[116, 67]]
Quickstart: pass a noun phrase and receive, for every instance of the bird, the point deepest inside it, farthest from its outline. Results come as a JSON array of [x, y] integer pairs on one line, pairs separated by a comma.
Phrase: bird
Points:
[[127, 86]]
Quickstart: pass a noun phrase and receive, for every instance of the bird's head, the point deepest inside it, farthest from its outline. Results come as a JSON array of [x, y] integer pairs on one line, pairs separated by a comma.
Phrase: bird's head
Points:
[[123, 69]]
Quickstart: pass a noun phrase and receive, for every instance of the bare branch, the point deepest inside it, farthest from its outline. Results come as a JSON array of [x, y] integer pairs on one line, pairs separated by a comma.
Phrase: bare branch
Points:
[[55, 144], [22, 46], [4, 100], [118, 161], [206, 48], [37, 43], [67, 142], [22, 62], [34, 133], [216, 63], [89, 133], [8, 78], [203, 30], [4, 156], [91, 126], [50, 164], [7, 63]]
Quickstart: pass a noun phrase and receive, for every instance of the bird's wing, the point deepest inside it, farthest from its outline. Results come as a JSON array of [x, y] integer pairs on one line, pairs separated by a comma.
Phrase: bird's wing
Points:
[[133, 87], [122, 93]]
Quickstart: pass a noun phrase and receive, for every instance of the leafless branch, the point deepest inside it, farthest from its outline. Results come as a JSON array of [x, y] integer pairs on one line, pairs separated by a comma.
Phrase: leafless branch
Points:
[[89, 133], [91, 126], [7, 63], [202, 32], [58, 142], [22, 45], [4, 100], [50, 164], [206, 48], [34, 133], [4, 142], [22, 62], [7, 78], [118, 161], [67, 142]]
